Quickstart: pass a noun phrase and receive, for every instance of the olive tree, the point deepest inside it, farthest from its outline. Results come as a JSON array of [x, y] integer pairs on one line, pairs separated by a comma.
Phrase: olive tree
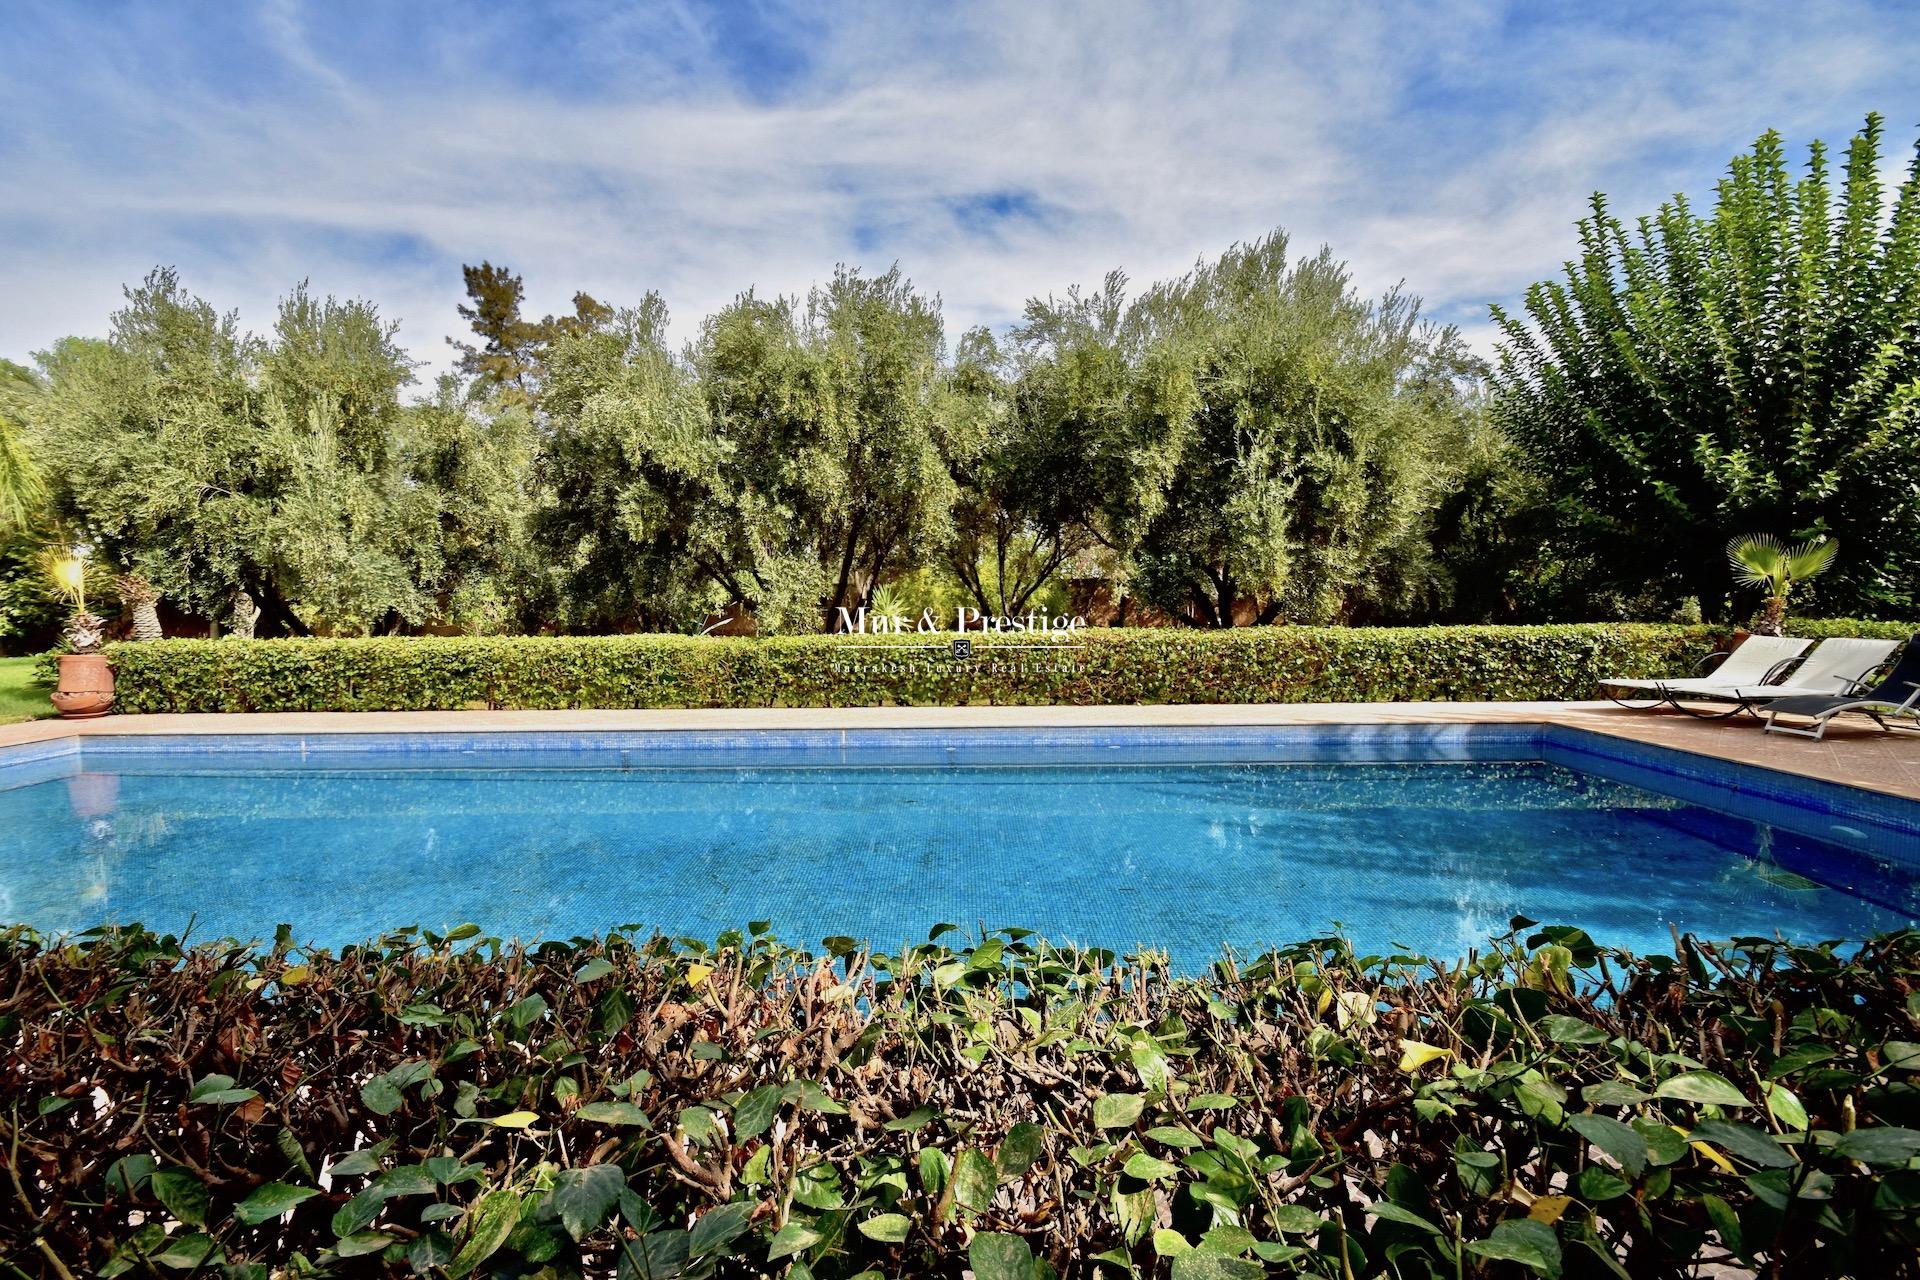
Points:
[[213, 462], [1255, 436], [643, 511], [841, 426]]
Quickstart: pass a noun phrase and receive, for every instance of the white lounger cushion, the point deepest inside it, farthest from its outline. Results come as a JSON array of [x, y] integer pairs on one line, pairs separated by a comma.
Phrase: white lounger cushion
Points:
[[1746, 665], [1834, 667]]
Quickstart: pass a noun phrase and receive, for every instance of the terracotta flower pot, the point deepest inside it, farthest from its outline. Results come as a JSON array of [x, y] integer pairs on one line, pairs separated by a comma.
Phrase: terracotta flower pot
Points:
[[86, 686]]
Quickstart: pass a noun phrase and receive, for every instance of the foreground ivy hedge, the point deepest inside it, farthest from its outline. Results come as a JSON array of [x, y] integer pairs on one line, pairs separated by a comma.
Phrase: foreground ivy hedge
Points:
[[449, 1106], [1255, 664]]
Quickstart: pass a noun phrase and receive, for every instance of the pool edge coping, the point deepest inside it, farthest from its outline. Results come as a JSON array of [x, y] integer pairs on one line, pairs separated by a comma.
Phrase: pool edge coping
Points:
[[1737, 744]]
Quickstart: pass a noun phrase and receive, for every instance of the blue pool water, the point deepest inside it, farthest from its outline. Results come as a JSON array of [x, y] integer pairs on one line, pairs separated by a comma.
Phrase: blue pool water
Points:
[[1185, 845]]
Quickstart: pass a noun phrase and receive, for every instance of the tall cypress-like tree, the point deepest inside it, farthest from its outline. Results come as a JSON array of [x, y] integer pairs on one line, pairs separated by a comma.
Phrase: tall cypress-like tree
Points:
[[1754, 368]]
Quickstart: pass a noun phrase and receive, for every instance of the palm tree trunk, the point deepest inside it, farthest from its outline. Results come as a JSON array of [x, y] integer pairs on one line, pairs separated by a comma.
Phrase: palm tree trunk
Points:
[[143, 602], [245, 614]]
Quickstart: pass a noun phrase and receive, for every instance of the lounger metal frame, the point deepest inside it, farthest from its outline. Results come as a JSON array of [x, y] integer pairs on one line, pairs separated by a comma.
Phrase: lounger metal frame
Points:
[[1874, 709], [1667, 697]]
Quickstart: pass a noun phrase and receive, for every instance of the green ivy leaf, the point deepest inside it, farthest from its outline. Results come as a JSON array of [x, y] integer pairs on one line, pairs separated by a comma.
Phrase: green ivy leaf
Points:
[[522, 1014], [1784, 1105], [888, 1228], [1148, 1168], [1522, 1240], [586, 1198], [614, 1113], [1184, 1139], [270, 1201], [1597, 1185], [357, 1214], [974, 1180], [1388, 1211], [1613, 1093], [1799, 1058], [1882, 1146], [593, 970], [660, 1255], [129, 1175], [381, 1097], [817, 1186], [365, 1160], [218, 1091], [1902, 1055], [812, 1097], [753, 1115], [1294, 1219], [1564, 1030], [1000, 1257], [407, 1180], [1664, 1146], [918, 1118], [183, 1194], [717, 1230], [1743, 1142], [188, 1252], [489, 1223], [1212, 1266], [795, 1237], [1628, 1148], [363, 1243], [1019, 1150], [1227, 1241], [1117, 1110], [1705, 1087]]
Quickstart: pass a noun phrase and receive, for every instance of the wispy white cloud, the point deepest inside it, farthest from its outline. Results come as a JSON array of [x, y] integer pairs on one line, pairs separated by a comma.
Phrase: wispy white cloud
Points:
[[996, 151]]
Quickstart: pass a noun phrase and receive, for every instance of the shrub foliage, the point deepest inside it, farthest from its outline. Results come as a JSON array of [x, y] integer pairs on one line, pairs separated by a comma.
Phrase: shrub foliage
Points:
[[1755, 365], [1265, 664], [446, 1105]]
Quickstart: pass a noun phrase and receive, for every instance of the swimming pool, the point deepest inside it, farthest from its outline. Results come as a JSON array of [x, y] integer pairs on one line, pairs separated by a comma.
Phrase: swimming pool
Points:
[[1424, 837]]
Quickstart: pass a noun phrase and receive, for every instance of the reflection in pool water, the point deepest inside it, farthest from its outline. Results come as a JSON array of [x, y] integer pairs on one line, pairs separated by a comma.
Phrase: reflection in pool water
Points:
[[1435, 856]]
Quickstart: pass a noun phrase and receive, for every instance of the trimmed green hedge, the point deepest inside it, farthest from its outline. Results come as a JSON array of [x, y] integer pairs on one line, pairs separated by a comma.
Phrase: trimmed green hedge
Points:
[[1256, 664], [455, 1106]]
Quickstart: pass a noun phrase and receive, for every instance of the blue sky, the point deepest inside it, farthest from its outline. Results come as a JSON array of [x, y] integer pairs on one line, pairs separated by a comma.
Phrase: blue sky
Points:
[[993, 150]]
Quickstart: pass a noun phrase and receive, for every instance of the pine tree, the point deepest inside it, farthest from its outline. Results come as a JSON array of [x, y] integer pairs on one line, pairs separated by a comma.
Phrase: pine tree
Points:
[[512, 352], [506, 354]]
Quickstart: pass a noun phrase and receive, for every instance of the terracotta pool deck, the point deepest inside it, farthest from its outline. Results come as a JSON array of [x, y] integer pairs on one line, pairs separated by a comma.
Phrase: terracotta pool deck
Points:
[[1854, 753]]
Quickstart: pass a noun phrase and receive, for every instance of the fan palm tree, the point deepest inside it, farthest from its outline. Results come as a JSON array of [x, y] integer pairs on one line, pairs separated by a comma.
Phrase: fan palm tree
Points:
[[1762, 560], [73, 572]]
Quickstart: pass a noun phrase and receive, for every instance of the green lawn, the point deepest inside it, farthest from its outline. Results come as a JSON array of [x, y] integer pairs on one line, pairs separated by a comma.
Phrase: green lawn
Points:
[[20, 697]]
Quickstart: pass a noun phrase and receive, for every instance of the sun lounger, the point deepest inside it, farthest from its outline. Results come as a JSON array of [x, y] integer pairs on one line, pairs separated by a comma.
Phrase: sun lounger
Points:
[[1896, 694], [1756, 661], [1835, 667]]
